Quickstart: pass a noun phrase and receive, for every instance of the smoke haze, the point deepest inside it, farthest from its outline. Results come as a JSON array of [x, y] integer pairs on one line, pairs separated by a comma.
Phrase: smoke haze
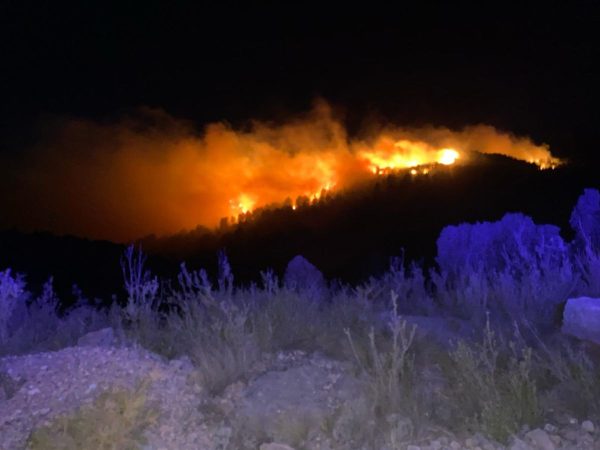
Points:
[[154, 174]]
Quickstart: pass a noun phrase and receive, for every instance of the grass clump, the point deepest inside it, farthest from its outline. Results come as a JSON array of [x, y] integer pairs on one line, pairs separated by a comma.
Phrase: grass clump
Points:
[[570, 376], [115, 421], [391, 370], [493, 386]]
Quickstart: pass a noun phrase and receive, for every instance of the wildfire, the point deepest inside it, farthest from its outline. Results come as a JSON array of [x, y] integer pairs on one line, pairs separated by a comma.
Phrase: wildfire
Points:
[[322, 174], [244, 204], [448, 156], [136, 180], [404, 154]]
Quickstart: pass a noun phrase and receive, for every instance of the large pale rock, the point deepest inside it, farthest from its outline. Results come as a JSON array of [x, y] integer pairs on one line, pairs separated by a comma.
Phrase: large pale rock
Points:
[[540, 439], [581, 318]]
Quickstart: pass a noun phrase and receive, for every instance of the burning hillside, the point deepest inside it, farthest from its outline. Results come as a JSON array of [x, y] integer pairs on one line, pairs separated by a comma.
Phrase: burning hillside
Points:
[[158, 175]]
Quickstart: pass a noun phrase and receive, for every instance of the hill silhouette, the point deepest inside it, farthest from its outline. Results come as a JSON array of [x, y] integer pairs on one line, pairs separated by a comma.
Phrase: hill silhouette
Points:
[[349, 236], [352, 235]]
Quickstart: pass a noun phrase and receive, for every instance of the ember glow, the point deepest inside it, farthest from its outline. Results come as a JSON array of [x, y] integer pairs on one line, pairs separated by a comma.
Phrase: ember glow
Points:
[[157, 175]]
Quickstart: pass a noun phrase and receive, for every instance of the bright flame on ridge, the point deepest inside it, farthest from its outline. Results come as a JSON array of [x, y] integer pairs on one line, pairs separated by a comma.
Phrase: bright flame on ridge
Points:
[[389, 155], [448, 156]]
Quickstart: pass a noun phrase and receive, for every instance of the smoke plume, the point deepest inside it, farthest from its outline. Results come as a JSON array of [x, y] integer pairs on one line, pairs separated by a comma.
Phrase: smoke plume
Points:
[[156, 174]]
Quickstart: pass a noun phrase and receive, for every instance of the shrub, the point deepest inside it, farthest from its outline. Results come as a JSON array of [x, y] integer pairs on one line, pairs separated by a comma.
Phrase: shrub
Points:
[[514, 243], [39, 326], [512, 268], [410, 287], [390, 368], [585, 248], [222, 348], [492, 386], [585, 221], [570, 375], [12, 293], [116, 420], [141, 287], [209, 325]]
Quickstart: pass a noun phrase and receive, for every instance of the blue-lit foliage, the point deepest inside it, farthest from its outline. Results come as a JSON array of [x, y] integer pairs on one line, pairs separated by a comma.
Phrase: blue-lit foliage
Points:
[[585, 248], [12, 297], [489, 273], [512, 268], [585, 221], [514, 244]]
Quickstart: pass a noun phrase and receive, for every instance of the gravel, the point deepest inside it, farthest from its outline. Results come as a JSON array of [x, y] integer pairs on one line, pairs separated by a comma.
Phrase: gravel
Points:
[[40, 387]]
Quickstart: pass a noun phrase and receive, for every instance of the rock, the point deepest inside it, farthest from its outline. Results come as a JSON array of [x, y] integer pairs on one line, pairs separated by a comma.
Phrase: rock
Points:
[[435, 445], [518, 444], [303, 276], [571, 435], [470, 443], [278, 402], [275, 446], [587, 426], [581, 318], [540, 439], [101, 338]]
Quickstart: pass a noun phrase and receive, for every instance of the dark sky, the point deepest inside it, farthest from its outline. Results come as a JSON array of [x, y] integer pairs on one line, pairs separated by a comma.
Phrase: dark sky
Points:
[[528, 70]]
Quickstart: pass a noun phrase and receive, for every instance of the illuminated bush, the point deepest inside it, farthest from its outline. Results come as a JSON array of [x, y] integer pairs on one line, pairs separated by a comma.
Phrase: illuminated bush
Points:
[[512, 267], [585, 221], [514, 243], [585, 248]]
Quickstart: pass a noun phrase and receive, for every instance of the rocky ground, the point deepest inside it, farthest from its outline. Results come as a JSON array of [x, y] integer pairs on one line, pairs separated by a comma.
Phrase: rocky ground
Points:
[[283, 389]]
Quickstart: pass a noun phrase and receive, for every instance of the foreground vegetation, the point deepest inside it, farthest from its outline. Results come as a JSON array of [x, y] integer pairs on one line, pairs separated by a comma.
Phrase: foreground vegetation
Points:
[[505, 377]]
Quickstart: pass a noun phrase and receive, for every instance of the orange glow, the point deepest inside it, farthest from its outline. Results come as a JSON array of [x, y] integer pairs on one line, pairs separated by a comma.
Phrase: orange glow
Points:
[[389, 155], [131, 179], [447, 156], [242, 205]]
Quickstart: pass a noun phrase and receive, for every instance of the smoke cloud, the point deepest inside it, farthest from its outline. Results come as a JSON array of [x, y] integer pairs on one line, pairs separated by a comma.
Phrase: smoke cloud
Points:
[[154, 174]]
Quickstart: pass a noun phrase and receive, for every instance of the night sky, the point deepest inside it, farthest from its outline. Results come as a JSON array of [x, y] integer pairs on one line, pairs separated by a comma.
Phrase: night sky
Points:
[[527, 70]]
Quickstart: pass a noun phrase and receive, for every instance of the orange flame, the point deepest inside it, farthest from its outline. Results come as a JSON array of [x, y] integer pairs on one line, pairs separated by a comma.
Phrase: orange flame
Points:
[[128, 180]]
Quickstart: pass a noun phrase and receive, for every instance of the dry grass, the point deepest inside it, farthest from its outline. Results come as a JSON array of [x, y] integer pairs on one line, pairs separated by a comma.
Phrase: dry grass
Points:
[[115, 421], [494, 386]]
